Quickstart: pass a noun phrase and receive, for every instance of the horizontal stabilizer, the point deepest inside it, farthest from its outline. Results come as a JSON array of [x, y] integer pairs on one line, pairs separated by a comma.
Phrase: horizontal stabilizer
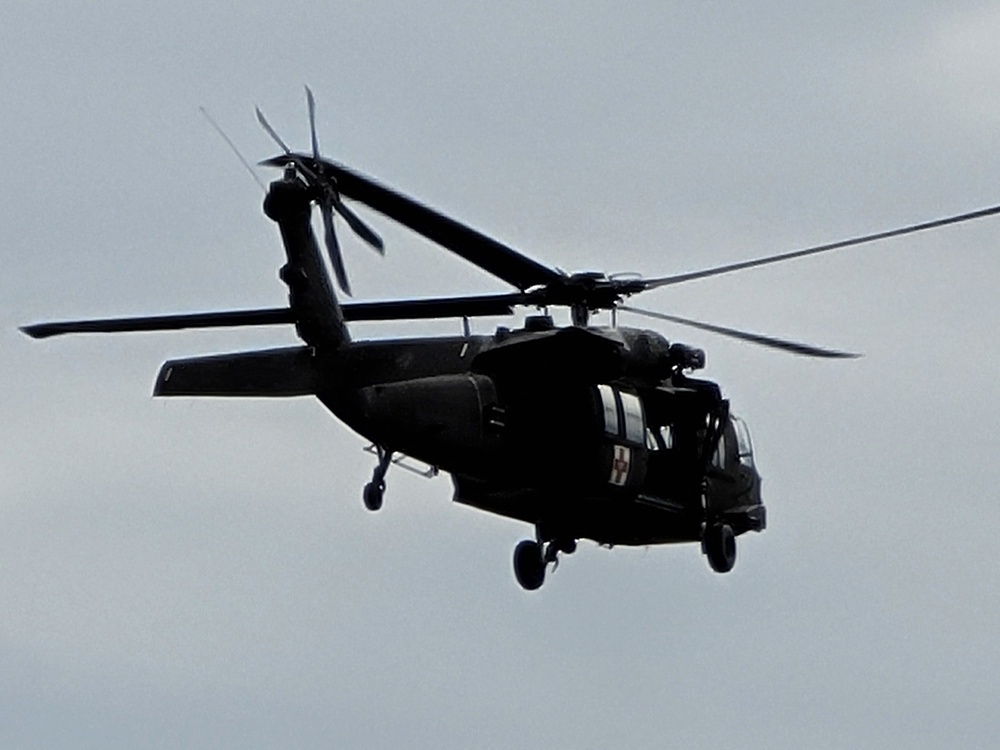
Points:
[[263, 374]]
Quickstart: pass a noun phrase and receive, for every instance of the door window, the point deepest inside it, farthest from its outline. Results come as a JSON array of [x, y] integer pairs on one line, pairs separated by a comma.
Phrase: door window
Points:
[[610, 405], [623, 416], [635, 427]]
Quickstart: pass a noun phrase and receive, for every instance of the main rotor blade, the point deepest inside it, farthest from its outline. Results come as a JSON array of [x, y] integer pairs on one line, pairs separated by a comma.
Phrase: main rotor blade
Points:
[[333, 248], [492, 256], [360, 228], [434, 307], [681, 278], [227, 319], [430, 307], [755, 338]]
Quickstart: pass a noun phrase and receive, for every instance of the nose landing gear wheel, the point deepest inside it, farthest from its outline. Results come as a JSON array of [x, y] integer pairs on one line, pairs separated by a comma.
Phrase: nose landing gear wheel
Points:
[[373, 495], [719, 544], [529, 565]]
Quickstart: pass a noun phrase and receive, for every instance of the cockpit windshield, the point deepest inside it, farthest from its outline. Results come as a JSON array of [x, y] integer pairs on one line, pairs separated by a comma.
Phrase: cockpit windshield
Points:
[[744, 446]]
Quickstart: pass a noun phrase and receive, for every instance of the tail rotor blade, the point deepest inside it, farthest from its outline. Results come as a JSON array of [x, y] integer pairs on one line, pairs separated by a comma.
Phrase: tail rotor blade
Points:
[[270, 131], [358, 226], [315, 173], [295, 158], [333, 248], [311, 101]]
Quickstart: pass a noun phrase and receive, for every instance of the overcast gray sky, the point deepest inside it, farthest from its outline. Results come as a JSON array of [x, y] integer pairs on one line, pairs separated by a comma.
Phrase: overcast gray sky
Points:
[[203, 573]]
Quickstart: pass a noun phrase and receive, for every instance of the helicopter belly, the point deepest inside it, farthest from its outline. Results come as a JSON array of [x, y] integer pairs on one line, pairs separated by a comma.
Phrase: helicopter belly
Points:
[[611, 520]]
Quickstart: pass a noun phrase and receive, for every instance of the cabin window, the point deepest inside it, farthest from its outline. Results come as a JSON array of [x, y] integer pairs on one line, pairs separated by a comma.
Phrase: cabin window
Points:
[[623, 416], [635, 427], [610, 405]]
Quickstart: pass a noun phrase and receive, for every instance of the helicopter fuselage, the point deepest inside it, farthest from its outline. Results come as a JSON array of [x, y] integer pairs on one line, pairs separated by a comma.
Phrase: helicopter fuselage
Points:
[[583, 432], [567, 429]]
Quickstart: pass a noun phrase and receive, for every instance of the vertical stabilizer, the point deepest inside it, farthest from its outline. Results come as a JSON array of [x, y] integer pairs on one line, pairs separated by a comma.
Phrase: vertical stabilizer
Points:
[[319, 319]]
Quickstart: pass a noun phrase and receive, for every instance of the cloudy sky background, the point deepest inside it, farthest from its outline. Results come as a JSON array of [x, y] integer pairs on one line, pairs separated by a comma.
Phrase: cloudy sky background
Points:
[[198, 573]]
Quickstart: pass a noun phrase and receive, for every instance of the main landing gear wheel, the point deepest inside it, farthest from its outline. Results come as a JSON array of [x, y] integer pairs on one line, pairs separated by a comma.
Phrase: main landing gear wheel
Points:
[[719, 544], [375, 489], [529, 564]]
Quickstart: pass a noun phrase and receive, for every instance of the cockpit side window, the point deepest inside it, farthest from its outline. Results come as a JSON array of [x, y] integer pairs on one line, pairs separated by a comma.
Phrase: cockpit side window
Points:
[[667, 436], [659, 438], [744, 446], [719, 457]]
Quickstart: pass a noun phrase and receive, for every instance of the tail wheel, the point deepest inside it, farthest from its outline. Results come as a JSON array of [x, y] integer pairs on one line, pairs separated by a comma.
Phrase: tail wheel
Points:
[[719, 544], [529, 565]]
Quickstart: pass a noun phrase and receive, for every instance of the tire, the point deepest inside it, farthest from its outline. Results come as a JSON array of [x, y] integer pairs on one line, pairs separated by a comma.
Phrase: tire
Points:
[[529, 565], [720, 547], [373, 496]]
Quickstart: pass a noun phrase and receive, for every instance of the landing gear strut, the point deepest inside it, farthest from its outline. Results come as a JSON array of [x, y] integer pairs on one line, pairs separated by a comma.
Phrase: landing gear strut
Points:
[[719, 545], [375, 489], [532, 557]]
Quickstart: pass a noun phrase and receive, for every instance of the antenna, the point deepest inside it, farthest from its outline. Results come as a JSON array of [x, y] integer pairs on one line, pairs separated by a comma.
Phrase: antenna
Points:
[[235, 150]]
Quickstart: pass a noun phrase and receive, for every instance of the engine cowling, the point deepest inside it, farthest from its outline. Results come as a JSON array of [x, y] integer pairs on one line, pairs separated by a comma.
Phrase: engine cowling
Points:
[[451, 421]]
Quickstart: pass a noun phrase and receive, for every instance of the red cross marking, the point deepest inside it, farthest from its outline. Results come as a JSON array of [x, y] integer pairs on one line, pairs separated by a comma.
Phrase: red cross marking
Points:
[[620, 465]]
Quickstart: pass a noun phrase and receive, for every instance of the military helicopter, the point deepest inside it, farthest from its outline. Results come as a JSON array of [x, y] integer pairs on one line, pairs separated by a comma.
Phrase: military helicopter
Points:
[[583, 432]]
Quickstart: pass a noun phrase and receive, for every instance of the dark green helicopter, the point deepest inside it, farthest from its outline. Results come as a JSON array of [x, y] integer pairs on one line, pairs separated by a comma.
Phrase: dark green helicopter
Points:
[[582, 432]]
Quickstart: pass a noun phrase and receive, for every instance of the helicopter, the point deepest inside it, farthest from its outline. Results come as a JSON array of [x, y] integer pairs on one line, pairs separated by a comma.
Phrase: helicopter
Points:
[[583, 432]]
